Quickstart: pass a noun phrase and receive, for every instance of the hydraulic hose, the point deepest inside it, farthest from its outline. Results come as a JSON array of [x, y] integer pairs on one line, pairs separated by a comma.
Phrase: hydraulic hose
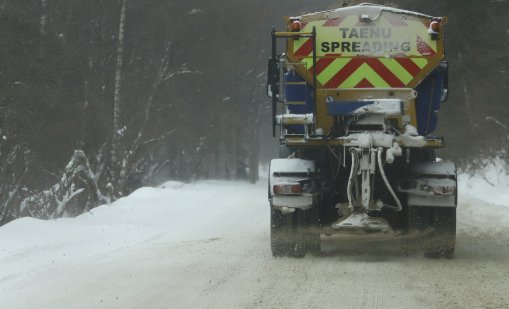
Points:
[[353, 170], [386, 181]]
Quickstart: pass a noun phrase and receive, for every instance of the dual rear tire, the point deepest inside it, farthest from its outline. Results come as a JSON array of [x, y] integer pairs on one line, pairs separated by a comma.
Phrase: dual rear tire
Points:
[[431, 229], [442, 240]]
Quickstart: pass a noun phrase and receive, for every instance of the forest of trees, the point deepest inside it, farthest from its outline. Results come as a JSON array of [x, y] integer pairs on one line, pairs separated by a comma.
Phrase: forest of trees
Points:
[[98, 98]]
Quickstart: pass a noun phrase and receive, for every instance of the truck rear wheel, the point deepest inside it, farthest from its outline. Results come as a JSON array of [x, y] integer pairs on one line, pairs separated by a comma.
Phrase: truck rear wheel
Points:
[[293, 234], [443, 238], [418, 221], [312, 231], [282, 238]]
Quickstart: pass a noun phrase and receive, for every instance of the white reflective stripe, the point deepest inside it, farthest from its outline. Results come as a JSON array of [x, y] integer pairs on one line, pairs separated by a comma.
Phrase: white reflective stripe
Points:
[[301, 201]]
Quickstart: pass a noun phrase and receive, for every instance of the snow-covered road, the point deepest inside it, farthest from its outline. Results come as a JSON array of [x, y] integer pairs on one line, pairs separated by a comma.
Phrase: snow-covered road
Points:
[[207, 246]]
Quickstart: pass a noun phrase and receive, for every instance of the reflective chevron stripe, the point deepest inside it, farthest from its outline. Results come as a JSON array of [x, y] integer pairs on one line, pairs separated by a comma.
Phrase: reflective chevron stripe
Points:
[[355, 72], [375, 65]]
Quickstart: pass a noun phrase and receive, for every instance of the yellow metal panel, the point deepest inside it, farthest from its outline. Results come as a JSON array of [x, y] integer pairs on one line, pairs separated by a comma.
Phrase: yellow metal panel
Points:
[[308, 63], [312, 142]]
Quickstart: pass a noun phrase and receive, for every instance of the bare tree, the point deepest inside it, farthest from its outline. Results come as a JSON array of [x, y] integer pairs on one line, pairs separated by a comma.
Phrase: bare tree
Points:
[[116, 147]]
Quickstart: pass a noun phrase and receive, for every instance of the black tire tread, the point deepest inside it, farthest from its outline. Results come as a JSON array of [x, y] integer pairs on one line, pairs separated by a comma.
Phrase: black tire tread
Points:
[[443, 239], [293, 234]]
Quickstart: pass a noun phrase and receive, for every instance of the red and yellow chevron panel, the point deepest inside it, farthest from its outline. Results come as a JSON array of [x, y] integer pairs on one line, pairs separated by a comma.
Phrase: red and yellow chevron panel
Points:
[[366, 72], [356, 49]]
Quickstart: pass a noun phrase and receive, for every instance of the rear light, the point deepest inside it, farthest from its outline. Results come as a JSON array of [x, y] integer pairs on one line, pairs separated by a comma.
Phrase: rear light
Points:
[[434, 30], [296, 26], [434, 27], [287, 189]]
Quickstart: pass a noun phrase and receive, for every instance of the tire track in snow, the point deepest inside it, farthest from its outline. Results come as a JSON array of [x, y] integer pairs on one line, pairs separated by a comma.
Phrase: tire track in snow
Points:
[[229, 265]]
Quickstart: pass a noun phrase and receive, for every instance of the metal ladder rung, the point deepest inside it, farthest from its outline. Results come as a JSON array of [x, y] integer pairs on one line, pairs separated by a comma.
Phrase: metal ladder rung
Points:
[[295, 83], [295, 119], [282, 34], [290, 122]]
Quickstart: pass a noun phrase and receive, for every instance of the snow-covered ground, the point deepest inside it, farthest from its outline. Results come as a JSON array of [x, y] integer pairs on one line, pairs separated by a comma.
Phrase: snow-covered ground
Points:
[[490, 184], [206, 245]]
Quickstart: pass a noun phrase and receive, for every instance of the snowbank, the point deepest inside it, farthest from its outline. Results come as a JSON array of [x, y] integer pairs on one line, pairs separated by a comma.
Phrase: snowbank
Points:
[[490, 184], [169, 213]]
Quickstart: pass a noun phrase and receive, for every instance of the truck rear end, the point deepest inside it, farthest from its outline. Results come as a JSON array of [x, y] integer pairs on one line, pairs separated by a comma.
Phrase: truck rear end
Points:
[[355, 96]]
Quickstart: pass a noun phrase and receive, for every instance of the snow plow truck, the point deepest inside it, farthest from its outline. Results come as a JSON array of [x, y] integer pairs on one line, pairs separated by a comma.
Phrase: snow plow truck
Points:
[[355, 95]]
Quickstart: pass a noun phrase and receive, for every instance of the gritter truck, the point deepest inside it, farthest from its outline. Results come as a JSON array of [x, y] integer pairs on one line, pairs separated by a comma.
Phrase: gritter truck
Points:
[[355, 97]]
